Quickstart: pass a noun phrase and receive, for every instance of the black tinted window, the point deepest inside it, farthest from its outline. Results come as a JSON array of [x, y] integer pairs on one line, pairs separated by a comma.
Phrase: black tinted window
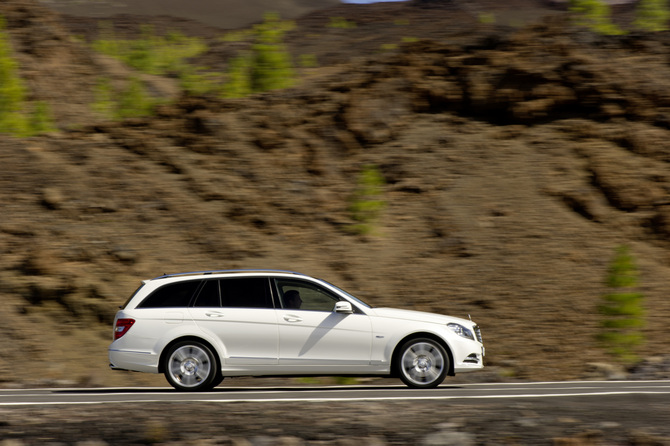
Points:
[[172, 295], [209, 295], [251, 292]]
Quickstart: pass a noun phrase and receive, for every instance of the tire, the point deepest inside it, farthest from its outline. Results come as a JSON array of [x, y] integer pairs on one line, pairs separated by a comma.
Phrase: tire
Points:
[[190, 366], [422, 363]]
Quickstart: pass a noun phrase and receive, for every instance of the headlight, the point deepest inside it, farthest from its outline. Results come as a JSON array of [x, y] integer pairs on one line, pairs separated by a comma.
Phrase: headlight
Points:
[[461, 331]]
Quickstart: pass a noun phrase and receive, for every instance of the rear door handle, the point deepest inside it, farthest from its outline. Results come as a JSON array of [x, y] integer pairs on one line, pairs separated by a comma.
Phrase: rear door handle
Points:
[[214, 314]]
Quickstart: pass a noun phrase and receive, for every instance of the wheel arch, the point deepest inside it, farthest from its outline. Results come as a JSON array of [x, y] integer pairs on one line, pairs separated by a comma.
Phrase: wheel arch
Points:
[[418, 335], [161, 360]]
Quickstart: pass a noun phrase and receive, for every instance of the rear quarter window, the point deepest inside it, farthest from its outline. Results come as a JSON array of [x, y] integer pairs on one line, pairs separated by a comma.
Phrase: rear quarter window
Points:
[[177, 294], [125, 304]]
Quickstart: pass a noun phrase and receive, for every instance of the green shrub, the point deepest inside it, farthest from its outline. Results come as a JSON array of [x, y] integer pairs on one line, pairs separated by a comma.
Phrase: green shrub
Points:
[[17, 116], [367, 202], [267, 66], [239, 77], [104, 103], [272, 67], [150, 54], [388, 47], [621, 308], [195, 80], [40, 119], [12, 90], [652, 15], [595, 15], [134, 102], [237, 36], [131, 102], [341, 23], [308, 61], [487, 18]]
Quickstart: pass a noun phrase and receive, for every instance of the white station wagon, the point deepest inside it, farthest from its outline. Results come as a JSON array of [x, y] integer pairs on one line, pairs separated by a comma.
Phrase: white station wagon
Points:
[[200, 327]]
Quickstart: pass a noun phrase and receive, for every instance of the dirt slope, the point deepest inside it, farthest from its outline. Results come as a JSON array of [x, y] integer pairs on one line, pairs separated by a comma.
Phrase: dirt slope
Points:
[[515, 160], [228, 14]]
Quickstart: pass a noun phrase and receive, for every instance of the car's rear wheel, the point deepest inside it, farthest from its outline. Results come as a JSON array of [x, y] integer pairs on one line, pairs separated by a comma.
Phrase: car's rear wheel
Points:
[[190, 366], [422, 363]]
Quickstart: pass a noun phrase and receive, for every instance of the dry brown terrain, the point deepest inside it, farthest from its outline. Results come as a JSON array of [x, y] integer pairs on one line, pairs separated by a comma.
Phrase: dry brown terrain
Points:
[[516, 158], [517, 155]]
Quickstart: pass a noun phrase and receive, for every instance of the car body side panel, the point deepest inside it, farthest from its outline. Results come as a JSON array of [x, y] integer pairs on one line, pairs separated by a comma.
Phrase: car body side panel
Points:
[[250, 335], [314, 338]]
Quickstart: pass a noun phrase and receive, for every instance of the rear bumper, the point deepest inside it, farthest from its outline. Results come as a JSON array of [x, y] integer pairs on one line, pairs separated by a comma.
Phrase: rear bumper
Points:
[[133, 361]]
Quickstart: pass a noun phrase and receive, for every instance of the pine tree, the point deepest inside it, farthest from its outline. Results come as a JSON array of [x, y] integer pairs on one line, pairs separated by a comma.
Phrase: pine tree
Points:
[[12, 91], [239, 77], [367, 202], [594, 14], [622, 311], [652, 15], [272, 68], [134, 101], [267, 67]]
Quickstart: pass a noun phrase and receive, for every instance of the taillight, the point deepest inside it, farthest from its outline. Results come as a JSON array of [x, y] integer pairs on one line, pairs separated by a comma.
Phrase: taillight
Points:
[[122, 326]]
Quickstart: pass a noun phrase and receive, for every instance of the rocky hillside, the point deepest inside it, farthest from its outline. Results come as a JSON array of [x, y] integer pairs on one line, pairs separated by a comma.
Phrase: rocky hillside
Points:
[[515, 159]]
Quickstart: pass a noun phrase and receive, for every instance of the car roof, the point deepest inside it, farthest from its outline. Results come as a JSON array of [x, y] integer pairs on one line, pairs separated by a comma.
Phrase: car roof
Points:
[[229, 271]]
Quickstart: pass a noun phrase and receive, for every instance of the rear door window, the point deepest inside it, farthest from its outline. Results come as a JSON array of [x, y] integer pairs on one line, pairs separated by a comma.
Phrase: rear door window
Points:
[[209, 295], [247, 292]]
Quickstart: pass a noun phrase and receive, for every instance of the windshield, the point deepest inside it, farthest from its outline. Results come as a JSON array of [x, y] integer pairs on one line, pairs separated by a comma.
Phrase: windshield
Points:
[[349, 295]]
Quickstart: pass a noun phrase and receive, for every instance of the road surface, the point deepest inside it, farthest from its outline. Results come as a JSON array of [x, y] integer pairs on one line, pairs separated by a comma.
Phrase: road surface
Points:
[[462, 392]]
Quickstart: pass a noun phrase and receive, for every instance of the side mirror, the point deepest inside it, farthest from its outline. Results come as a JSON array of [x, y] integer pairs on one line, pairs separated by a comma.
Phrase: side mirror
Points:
[[343, 307]]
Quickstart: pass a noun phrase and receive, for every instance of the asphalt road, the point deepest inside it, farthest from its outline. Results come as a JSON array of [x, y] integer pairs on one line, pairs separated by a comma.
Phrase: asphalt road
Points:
[[493, 393]]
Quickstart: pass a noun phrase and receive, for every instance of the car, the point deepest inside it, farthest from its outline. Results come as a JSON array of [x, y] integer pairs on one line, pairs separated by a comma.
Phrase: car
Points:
[[199, 327]]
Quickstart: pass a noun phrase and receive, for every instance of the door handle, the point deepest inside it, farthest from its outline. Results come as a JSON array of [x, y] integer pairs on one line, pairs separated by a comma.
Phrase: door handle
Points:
[[214, 314], [289, 318]]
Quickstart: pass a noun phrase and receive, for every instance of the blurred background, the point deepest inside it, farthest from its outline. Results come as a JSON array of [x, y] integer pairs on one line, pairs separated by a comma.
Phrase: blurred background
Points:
[[504, 160]]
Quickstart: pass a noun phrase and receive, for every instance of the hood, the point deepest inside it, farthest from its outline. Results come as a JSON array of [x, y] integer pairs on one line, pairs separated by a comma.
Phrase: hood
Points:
[[421, 316]]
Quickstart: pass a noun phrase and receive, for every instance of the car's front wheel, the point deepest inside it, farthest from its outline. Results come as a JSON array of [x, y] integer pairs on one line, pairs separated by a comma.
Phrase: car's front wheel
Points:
[[422, 363], [191, 366]]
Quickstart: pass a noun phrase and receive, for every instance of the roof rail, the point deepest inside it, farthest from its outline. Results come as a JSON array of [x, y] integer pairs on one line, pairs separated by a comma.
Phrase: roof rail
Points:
[[228, 271]]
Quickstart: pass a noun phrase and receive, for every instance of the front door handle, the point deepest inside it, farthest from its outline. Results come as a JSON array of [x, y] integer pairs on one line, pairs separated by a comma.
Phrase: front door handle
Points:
[[291, 318]]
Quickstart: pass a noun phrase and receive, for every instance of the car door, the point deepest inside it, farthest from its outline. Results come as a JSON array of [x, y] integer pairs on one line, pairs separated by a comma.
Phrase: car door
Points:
[[313, 337], [240, 313]]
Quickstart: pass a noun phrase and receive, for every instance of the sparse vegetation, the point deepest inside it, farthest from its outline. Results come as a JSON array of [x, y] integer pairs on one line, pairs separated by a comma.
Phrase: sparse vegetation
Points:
[[595, 15], [239, 77], [622, 311], [199, 80], [341, 23], [367, 202], [238, 36], [161, 55], [487, 18], [150, 54], [267, 66], [132, 102], [652, 15], [40, 121], [15, 118], [104, 104], [308, 61]]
